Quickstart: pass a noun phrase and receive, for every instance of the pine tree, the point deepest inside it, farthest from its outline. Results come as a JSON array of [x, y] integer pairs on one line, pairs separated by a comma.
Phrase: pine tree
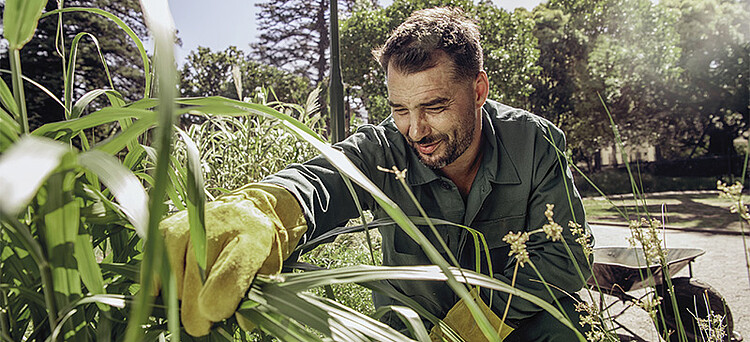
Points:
[[294, 35]]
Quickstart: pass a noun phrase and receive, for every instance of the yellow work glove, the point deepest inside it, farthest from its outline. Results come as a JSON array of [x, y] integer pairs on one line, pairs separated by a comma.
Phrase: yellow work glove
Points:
[[248, 231], [459, 318]]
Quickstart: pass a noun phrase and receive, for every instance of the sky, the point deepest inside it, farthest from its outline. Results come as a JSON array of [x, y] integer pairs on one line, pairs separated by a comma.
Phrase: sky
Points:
[[219, 24]]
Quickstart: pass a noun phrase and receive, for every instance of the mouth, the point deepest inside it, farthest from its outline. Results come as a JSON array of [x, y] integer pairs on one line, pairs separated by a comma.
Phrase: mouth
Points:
[[427, 148]]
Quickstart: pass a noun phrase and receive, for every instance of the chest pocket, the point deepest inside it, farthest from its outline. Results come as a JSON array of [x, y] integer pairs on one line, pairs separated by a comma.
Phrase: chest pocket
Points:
[[495, 230]]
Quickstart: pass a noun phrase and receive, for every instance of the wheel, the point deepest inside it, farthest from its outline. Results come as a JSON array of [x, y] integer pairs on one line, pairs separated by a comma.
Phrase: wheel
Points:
[[693, 297]]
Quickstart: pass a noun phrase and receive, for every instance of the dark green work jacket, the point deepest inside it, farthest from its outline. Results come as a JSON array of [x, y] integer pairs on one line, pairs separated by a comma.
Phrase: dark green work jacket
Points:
[[520, 173]]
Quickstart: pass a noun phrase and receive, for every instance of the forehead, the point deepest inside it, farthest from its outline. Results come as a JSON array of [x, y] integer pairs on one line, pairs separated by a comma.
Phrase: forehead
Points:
[[407, 89]]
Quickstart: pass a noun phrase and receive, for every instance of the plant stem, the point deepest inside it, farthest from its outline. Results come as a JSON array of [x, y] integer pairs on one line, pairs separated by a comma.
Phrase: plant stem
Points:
[[18, 93], [510, 295]]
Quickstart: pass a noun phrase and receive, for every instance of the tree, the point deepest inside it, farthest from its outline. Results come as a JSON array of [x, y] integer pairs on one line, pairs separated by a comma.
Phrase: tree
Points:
[[43, 63], [208, 73], [295, 37], [622, 51], [509, 51], [713, 89]]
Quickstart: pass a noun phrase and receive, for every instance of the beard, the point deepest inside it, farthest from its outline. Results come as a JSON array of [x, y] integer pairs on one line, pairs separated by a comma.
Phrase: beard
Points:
[[455, 143]]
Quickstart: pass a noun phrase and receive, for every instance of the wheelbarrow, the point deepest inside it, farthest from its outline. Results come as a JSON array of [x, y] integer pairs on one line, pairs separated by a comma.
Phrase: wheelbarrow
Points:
[[619, 270]]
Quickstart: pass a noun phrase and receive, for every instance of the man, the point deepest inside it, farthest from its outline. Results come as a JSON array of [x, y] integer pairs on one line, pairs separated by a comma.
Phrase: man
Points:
[[469, 160]]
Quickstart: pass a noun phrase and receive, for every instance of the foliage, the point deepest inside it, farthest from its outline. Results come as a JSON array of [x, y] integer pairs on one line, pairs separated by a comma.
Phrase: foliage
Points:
[[235, 151], [711, 96], [347, 250], [506, 40], [294, 35], [44, 63], [208, 73]]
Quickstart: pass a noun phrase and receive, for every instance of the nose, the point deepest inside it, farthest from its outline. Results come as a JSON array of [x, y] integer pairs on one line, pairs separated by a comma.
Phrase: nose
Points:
[[418, 127]]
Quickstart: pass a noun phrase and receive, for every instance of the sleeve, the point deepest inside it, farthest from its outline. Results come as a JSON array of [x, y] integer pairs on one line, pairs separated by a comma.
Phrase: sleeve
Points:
[[566, 273], [325, 199]]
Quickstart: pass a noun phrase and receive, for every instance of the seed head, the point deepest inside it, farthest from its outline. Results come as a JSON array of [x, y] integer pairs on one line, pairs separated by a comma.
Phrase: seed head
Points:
[[552, 229], [517, 242], [581, 238], [645, 233]]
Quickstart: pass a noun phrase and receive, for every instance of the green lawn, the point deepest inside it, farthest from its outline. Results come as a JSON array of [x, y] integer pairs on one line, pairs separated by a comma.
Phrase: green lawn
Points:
[[704, 210]]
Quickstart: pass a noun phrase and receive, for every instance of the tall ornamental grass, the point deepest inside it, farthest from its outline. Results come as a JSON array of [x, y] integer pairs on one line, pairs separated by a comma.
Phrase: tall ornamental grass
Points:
[[80, 243], [80, 249]]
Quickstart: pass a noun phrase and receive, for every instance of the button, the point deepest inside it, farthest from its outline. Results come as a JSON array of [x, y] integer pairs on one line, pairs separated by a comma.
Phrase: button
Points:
[[485, 188], [445, 185]]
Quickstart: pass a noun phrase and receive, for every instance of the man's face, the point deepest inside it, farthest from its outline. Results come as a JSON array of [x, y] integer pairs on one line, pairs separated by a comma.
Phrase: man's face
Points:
[[437, 114]]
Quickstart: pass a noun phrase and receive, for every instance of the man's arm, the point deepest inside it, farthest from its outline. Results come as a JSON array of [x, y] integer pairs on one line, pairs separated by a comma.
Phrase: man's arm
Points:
[[320, 189]]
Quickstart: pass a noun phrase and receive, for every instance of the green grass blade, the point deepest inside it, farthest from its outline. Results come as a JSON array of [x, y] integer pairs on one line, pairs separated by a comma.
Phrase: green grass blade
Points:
[[161, 25], [127, 137], [6, 98], [20, 19], [70, 72], [124, 27], [10, 130], [86, 99], [70, 128], [130, 272], [18, 92], [222, 106], [91, 274], [327, 317], [122, 183], [363, 274], [409, 318], [196, 200], [61, 221], [23, 169], [284, 329]]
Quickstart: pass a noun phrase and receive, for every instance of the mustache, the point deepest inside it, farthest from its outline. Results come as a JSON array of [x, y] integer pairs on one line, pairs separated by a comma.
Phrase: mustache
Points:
[[426, 140]]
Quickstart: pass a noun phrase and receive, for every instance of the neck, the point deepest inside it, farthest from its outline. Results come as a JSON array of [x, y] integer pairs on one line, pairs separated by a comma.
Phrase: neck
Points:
[[463, 171]]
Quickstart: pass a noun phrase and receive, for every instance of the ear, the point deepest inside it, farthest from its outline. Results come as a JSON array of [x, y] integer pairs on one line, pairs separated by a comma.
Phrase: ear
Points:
[[481, 89]]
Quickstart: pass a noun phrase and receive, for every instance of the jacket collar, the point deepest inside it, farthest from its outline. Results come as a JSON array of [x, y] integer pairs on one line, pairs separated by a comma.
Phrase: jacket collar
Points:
[[497, 163]]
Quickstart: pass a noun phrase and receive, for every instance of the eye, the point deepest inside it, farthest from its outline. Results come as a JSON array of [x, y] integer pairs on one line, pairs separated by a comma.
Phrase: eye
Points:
[[435, 110], [400, 111]]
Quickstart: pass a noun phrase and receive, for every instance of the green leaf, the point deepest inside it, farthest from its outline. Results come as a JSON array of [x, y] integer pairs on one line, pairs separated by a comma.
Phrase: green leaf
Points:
[[161, 26], [46, 91], [130, 272], [23, 169], [10, 130], [126, 137], [70, 76], [222, 106], [124, 27], [410, 318], [61, 219], [196, 200], [328, 317], [91, 274], [123, 184], [6, 97], [19, 21], [86, 99], [72, 127]]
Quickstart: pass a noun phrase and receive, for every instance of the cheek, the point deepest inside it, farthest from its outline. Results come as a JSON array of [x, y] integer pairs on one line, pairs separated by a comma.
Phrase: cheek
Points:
[[402, 124]]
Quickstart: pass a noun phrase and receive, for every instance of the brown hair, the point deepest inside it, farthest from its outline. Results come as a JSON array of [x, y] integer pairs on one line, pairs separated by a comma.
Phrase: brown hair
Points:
[[413, 46]]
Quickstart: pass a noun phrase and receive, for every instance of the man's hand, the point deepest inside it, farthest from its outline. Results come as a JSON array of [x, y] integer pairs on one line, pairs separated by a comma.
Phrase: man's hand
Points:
[[247, 232], [459, 318]]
